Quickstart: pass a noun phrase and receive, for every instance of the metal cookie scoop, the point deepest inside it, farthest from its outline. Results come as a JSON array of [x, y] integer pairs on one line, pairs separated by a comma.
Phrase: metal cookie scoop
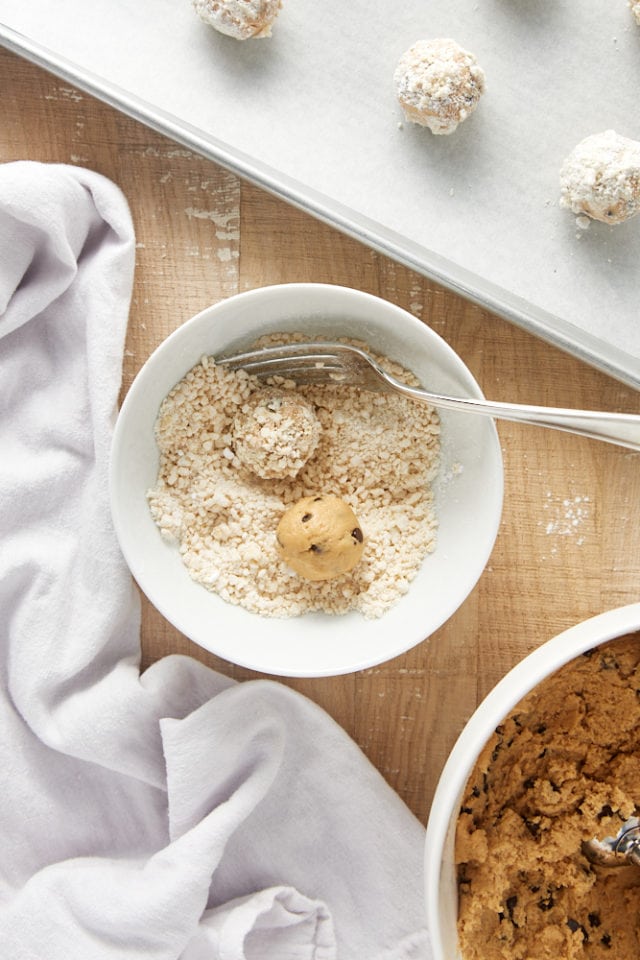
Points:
[[618, 851]]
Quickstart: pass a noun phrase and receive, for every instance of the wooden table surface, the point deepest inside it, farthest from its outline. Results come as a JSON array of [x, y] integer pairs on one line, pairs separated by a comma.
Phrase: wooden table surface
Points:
[[568, 543]]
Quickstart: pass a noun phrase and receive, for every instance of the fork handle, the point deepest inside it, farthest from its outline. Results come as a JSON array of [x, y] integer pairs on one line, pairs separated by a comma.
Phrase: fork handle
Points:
[[619, 428]]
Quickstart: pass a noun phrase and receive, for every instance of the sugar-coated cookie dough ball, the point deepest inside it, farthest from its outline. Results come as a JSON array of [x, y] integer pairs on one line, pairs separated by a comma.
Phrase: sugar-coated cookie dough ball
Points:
[[241, 19], [438, 84], [601, 178], [275, 433], [634, 5], [320, 537]]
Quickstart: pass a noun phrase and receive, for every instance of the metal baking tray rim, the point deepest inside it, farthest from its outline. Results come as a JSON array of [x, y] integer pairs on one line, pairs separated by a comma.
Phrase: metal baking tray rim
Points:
[[543, 324]]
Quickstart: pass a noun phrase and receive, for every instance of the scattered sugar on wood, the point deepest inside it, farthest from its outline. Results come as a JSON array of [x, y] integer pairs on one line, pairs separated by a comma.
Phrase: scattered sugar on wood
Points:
[[567, 517]]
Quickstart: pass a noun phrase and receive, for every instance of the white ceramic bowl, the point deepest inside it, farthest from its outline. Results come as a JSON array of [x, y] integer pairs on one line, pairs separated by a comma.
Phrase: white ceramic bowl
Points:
[[440, 872], [468, 493]]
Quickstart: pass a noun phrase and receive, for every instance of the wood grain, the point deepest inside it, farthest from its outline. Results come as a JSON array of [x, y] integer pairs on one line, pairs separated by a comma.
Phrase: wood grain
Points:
[[568, 542]]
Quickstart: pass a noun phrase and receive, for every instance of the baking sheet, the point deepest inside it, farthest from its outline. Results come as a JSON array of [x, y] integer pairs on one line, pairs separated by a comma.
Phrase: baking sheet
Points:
[[310, 114]]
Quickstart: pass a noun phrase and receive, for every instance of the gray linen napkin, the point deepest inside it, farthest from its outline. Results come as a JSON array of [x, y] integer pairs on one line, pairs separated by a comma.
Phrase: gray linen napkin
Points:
[[173, 813]]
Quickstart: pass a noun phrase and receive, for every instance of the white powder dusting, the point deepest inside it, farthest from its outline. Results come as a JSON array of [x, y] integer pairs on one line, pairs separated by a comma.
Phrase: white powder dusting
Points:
[[225, 221], [241, 19], [65, 93], [416, 303], [218, 204], [566, 517], [226, 254], [438, 84], [171, 153], [379, 453], [601, 178]]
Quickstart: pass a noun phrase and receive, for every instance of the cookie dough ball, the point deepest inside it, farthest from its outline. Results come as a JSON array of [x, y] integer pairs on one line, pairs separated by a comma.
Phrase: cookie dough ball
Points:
[[241, 19], [601, 178], [275, 433], [438, 84], [634, 6], [320, 538]]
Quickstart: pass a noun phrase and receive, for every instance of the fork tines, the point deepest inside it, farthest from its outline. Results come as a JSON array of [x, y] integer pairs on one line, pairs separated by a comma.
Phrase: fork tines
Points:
[[301, 362]]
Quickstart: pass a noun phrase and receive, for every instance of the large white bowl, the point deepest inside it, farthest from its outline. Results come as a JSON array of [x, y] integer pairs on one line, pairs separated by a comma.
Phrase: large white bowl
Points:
[[440, 870], [468, 493]]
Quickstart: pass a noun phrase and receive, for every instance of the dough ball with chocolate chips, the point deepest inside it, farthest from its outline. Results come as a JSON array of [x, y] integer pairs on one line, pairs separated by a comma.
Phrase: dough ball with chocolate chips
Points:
[[320, 537], [275, 433]]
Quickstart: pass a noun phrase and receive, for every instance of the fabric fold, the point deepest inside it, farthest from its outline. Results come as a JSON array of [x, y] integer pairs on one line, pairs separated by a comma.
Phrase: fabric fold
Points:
[[276, 922]]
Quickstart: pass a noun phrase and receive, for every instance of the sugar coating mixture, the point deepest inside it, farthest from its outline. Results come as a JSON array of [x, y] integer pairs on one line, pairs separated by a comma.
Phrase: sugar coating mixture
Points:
[[241, 19], [601, 178], [275, 432], [438, 84], [564, 767], [634, 6], [379, 453]]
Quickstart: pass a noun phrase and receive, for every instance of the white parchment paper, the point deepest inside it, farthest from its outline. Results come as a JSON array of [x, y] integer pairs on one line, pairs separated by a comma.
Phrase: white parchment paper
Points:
[[311, 112]]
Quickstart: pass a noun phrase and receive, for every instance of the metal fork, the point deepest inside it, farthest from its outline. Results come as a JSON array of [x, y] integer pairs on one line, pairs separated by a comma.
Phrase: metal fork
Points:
[[339, 363]]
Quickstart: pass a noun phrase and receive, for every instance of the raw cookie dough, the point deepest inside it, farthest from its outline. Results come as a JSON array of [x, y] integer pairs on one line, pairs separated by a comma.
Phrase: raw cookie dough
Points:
[[320, 538], [241, 19], [275, 433], [438, 84], [601, 178], [562, 768], [634, 6]]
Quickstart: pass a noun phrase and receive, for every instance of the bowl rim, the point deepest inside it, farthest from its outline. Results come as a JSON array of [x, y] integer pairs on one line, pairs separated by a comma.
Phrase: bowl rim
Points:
[[501, 699], [403, 640]]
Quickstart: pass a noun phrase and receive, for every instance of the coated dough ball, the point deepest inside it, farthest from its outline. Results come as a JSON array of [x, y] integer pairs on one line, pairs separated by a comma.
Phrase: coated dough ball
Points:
[[241, 19], [275, 433], [601, 177], [320, 537], [438, 84]]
